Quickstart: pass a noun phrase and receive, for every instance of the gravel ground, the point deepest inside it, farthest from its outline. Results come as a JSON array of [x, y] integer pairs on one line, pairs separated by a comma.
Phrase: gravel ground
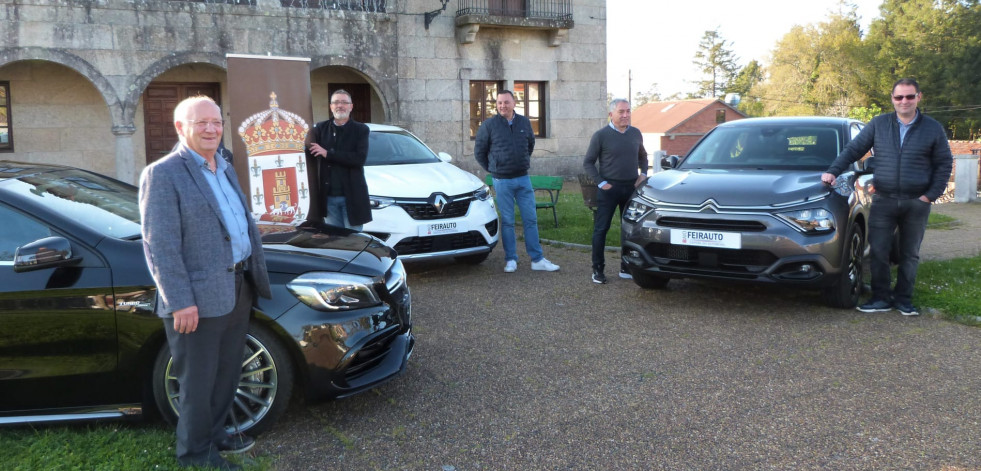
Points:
[[547, 371]]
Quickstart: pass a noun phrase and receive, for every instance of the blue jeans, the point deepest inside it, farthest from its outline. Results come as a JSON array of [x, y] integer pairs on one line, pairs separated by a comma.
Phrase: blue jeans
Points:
[[509, 192], [337, 213], [909, 217], [607, 202]]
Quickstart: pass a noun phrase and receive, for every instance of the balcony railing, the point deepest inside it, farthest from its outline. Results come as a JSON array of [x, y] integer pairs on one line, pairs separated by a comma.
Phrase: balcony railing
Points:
[[529, 9], [374, 6]]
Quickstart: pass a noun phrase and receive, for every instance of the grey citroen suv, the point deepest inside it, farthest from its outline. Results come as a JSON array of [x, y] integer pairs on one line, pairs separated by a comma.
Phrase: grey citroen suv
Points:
[[747, 204]]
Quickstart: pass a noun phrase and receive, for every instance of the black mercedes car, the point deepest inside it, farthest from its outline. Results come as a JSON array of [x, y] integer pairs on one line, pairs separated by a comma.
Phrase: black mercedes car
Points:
[[747, 204], [79, 338]]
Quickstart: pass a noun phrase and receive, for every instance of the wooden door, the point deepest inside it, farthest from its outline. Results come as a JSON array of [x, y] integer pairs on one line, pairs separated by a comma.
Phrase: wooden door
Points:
[[360, 96], [159, 101]]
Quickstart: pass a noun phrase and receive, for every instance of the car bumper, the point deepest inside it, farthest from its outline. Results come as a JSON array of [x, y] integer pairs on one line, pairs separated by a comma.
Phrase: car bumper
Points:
[[775, 254], [350, 352], [476, 232]]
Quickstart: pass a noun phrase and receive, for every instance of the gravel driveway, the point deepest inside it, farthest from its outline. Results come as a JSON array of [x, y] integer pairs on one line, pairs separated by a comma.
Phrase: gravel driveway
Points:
[[547, 371]]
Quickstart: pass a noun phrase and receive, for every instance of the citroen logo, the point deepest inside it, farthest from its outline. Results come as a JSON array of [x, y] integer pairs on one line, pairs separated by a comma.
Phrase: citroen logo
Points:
[[438, 200]]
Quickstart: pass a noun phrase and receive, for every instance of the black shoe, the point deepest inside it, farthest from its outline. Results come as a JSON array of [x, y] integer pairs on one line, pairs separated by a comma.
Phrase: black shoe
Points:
[[237, 443], [906, 309], [875, 305], [598, 277]]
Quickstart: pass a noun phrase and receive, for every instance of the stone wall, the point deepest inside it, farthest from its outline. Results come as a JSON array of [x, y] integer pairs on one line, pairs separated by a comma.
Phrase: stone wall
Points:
[[78, 69]]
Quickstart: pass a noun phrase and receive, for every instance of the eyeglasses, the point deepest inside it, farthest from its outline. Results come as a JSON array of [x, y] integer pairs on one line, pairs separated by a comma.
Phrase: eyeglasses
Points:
[[907, 97], [340, 102], [204, 124]]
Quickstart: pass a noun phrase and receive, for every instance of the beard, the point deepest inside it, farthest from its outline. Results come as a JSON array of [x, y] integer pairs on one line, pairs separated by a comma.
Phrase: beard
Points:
[[342, 115]]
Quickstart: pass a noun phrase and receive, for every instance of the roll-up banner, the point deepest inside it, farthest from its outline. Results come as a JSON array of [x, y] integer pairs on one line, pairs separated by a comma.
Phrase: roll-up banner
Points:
[[271, 112]]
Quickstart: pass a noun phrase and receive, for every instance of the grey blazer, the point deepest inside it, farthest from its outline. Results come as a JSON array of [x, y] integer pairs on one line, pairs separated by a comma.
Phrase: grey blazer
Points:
[[186, 243]]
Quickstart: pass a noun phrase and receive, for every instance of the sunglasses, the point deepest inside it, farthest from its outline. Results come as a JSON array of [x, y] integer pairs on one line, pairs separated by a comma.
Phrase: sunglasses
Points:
[[907, 97]]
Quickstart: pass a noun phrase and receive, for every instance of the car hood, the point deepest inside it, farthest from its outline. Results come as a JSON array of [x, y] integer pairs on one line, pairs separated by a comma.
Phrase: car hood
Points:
[[419, 180], [739, 187], [325, 248]]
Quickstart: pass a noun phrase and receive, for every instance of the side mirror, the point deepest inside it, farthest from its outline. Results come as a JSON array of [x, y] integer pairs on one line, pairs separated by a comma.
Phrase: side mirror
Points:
[[44, 253], [669, 162], [864, 166], [444, 157]]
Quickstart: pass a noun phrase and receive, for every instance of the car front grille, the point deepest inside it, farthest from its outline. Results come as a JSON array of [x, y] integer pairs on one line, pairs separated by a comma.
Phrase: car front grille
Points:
[[379, 347], [426, 211], [737, 263], [711, 224], [440, 243]]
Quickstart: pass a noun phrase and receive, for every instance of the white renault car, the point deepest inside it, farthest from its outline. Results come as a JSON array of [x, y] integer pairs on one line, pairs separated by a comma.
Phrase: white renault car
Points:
[[423, 206]]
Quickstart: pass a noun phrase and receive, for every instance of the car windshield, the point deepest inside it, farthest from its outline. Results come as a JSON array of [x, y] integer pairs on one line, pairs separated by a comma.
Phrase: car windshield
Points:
[[766, 147], [105, 205], [394, 148]]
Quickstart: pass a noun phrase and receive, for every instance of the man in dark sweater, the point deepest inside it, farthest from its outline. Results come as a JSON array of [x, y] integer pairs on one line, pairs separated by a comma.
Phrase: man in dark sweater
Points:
[[503, 148], [618, 149], [912, 166]]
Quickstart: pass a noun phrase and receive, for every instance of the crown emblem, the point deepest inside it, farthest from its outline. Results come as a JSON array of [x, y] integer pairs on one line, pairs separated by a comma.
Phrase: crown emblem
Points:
[[273, 131]]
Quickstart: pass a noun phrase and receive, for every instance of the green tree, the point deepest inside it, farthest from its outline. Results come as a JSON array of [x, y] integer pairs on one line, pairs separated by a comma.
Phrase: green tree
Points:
[[748, 77], [715, 59], [818, 69], [645, 97], [937, 42]]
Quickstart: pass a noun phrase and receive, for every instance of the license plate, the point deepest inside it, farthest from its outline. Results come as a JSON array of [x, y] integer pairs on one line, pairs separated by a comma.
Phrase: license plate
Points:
[[438, 228], [724, 240]]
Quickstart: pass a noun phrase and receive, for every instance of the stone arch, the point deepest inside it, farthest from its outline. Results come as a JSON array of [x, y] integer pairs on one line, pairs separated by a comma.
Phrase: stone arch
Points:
[[141, 81], [385, 88], [76, 63]]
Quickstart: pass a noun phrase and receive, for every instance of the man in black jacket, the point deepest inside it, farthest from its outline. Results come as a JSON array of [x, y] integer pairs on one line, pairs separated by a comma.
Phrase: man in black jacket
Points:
[[503, 148], [912, 166], [336, 151]]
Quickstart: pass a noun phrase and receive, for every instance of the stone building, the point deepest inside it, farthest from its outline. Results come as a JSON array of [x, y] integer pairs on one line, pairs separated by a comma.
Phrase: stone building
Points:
[[93, 83]]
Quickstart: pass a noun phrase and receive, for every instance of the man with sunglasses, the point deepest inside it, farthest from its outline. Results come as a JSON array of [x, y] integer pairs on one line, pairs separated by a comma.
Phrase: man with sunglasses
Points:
[[912, 166]]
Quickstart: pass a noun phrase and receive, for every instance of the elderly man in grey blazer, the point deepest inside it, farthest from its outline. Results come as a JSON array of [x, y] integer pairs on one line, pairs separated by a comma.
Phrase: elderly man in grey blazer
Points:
[[205, 254]]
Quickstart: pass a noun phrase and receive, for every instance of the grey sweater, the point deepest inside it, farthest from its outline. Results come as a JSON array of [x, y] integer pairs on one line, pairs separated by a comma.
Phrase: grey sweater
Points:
[[620, 155]]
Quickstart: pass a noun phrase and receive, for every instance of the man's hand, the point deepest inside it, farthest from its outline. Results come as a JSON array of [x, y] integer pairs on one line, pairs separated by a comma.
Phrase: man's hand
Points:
[[924, 199], [640, 180], [828, 178], [317, 150], [186, 320]]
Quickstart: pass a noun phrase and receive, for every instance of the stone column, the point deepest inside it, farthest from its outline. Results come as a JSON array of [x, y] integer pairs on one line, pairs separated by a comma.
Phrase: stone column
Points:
[[965, 178], [125, 166]]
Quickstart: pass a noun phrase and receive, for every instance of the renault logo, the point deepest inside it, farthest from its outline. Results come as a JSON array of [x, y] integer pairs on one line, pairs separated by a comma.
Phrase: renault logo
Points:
[[438, 200]]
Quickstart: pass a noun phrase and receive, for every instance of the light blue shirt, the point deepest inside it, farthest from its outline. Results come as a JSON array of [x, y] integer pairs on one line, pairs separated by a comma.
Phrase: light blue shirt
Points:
[[233, 213], [904, 128]]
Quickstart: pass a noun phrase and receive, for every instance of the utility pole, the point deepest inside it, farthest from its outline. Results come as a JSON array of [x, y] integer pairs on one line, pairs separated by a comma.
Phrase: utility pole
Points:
[[630, 84]]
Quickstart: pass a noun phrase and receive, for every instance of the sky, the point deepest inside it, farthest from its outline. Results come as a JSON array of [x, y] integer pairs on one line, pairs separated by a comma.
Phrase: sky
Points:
[[654, 41]]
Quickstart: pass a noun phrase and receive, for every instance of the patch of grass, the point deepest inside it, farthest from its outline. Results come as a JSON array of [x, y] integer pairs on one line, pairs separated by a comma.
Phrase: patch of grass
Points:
[[108, 446], [941, 221], [951, 286], [575, 222]]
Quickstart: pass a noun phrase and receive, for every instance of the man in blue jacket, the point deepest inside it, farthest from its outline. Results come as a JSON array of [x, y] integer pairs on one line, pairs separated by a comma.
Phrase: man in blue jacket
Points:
[[912, 166], [503, 148]]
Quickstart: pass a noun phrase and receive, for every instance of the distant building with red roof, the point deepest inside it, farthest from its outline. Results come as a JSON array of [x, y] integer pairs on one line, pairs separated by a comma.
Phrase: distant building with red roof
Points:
[[673, 127]]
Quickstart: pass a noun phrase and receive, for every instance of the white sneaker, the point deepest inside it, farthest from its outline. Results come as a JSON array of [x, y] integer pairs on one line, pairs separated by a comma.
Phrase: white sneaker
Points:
[[511, 266], [544, 265]]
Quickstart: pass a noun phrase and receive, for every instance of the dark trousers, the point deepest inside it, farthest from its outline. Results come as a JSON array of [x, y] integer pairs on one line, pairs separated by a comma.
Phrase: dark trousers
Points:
[[607, 202], [207, 364], [909, 217]]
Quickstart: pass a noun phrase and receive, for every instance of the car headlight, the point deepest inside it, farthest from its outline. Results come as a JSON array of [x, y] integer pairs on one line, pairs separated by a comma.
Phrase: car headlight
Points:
[[809, 220], [483, 194], [636, 210], [325, 291], [379, 202]]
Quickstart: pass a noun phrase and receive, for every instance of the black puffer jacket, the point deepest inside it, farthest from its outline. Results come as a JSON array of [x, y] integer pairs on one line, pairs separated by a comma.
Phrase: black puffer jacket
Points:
[[503, 150], [921, 166]]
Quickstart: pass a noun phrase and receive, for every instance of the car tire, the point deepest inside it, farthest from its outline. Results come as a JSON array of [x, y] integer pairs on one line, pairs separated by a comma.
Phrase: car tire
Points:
[[648, 281], [847, 288], [474, 259], [263, 392]]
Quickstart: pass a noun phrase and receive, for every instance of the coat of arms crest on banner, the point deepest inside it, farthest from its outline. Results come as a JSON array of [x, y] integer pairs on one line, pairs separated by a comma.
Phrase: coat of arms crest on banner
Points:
[[277, 166]]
